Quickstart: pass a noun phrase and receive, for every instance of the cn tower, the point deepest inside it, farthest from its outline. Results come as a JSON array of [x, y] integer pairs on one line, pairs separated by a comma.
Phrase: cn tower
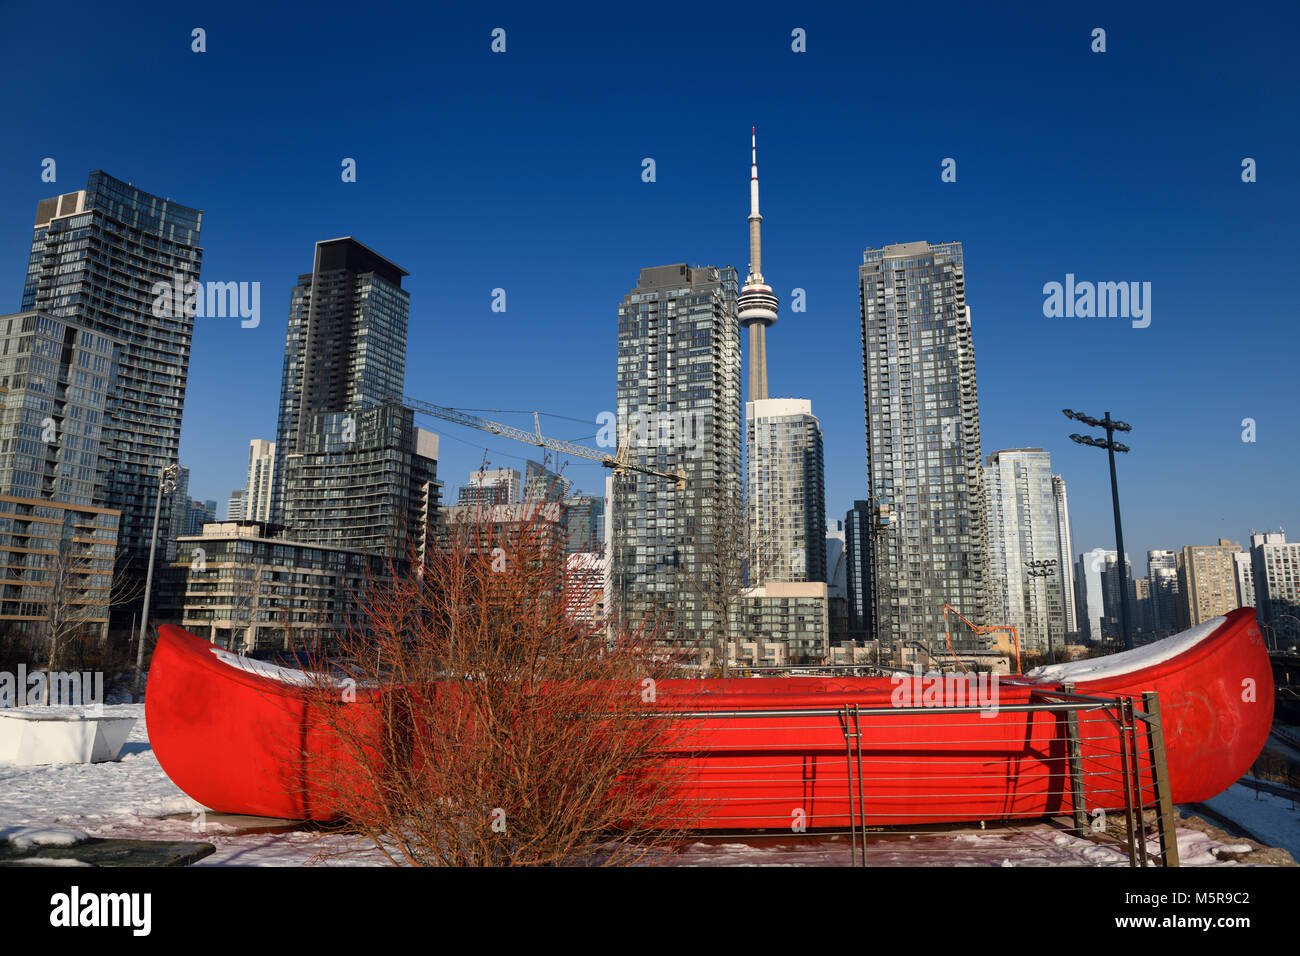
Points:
[[757, 303]]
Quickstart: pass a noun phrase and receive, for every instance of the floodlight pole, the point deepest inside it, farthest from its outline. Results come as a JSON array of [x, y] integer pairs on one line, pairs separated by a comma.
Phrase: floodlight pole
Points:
[[1045, 570], [1111, 426], [1119, 536]]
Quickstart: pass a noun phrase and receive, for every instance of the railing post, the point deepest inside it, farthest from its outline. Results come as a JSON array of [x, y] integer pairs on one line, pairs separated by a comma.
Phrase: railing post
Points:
[[1075, 752], [1168, 823], [862, 790], [1125, 710], [849, 786], [1139, 803]]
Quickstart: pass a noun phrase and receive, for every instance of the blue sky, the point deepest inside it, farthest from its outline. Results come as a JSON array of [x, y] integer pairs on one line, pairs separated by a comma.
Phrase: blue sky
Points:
[[522, 171]]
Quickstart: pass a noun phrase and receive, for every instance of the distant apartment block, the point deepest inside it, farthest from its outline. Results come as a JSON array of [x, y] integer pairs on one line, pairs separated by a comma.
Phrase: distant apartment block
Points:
[[1023, 523], [1208, 577], [584, 524], [1117, 586], [1245, 580], [200, 513], [261, 476], [1275, 563], [245, 589], [782, 622], [1064, 556], [176, 515], [837, 580], [491, 486], [585, 574], [58, 549], [787, 498]]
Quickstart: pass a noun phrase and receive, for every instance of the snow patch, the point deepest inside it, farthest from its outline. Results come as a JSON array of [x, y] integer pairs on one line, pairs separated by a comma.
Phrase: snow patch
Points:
[[1126, 662], [285, 675], [46, 861], [24, 838]]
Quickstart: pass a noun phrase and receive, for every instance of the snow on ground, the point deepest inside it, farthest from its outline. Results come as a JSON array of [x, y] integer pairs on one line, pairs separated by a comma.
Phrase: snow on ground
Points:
[[1034, 845], [1271, 819], [133, 799], [1282, 746], [128, 799]]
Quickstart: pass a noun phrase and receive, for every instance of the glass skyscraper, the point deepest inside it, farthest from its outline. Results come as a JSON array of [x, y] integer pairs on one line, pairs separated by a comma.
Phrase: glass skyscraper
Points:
[[583, 516], [345, 346], [923, 441], [541, 484], [678, 400], [96, 257], [351, 470], [1166, 592], [1099, 586]]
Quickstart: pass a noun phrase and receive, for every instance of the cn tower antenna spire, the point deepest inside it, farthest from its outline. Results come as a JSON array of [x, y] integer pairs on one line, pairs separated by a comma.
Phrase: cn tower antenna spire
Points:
[[757, 304]]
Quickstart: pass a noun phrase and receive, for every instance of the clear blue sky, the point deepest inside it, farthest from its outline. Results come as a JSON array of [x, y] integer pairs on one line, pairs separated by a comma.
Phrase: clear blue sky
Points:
[[523, 171]]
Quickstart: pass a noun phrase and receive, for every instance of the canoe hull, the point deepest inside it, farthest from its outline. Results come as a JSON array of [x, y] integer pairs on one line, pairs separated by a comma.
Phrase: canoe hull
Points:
[[237, 741]]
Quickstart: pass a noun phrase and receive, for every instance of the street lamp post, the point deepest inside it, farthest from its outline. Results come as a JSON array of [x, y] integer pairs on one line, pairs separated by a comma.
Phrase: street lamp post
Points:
[[166, 484], [1111, 426], [1264, 629], [1044, 569]]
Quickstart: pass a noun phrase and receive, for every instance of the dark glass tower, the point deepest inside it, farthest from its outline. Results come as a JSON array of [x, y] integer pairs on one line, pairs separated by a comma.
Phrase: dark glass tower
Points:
[[96, 256], [351, 470], [857, 550]]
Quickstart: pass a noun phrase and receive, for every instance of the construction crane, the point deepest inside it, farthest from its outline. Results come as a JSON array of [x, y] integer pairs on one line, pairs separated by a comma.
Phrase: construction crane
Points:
[[979, 629], [619, 461]]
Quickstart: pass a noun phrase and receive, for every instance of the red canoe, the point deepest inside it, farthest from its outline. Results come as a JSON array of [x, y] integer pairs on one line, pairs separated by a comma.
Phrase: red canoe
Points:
[[772, 753]]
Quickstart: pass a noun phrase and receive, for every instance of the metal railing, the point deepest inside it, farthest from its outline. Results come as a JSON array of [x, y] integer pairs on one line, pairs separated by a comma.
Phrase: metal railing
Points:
[[1098, 771]]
